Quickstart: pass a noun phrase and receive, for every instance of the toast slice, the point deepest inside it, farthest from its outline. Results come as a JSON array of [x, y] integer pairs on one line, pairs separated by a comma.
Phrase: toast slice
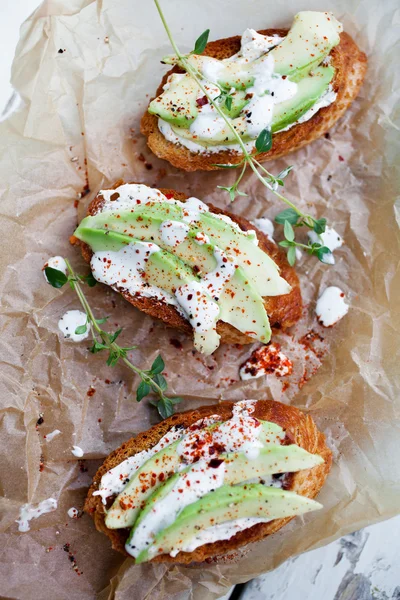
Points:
[[350, 67], [300, 429], [283, 311]]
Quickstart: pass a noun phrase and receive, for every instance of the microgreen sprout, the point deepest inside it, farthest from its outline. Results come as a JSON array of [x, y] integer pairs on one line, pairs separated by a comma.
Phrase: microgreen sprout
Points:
[[263, 144], [152, 380]]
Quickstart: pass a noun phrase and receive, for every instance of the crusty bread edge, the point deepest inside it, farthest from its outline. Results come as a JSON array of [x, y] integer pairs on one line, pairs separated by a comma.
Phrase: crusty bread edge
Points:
[[283, 311], [350, 65], [298, 426]]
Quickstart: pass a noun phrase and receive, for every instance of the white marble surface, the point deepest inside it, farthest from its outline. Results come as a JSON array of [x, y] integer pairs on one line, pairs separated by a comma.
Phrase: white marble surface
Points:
[[361, 566]]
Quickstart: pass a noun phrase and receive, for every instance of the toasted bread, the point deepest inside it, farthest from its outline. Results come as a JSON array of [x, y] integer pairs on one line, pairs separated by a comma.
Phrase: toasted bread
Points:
[[283, 311], [350, 66], [299, 427]]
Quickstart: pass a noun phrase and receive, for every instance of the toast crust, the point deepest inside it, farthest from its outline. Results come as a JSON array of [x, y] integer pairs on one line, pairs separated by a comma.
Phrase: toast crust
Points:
[[283, 311], [308, 482], [350, 66]]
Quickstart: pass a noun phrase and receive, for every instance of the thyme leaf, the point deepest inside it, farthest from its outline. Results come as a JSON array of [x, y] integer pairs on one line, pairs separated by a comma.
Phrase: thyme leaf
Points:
[[152, 381]]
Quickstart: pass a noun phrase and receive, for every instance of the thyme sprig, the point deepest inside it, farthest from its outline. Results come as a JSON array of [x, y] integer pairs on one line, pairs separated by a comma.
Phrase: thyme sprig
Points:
[[263, 144], [152, 380]]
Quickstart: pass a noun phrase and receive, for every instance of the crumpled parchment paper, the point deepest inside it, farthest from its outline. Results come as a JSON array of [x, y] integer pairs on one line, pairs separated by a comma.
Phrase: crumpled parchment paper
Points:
[[85, 71]]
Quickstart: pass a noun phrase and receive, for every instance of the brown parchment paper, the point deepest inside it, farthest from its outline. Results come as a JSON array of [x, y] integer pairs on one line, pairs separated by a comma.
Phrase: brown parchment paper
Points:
[[84, 71]]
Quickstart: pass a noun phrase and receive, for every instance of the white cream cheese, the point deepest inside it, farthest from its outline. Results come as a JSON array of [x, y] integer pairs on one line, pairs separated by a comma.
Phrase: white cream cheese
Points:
[[173, 233], [254, 45], [55, 262], [331, 306], [73, 512], [114, 481], [266, 226], [50, 436], [127, 195], [77, 451], [70, 322], [123, 270], [29, 512], [331, 239], [222, 531]]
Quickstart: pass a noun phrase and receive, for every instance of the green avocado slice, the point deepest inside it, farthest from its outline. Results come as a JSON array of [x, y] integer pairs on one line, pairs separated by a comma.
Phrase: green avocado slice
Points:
[[309, 90], [143, 222], [310, 39], [243, 306], [178, 103], [153, 475], [239, 468], [225, 504]]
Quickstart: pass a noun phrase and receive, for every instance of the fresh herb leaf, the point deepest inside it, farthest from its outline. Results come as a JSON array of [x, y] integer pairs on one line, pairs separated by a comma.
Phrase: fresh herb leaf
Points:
[[81, 329], [97, 347], [231, 191], [324, 255], [289, 215], [286, 244], [228, 102], [288, 231], [160, 381], [158, 365], [291, 255], [284, 173], [55, 277], [90, 280], [264, 141], [101, 321], [319, 226], [143, 390], [114, 336], [165, 406], [201, 42]]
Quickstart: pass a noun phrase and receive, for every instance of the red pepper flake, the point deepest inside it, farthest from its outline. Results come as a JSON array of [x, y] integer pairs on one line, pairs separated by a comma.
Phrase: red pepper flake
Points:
[[341, 158], [202, 101], [268, 360], [91, 391]]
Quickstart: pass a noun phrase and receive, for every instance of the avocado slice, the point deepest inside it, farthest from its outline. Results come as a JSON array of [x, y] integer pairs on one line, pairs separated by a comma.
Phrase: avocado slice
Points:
[[239, 294], [143, 222], [309, 90], [225, 504], [153, 475], [239, 468], [168, 272], [310, 39], [244, 307], [177, 104]]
